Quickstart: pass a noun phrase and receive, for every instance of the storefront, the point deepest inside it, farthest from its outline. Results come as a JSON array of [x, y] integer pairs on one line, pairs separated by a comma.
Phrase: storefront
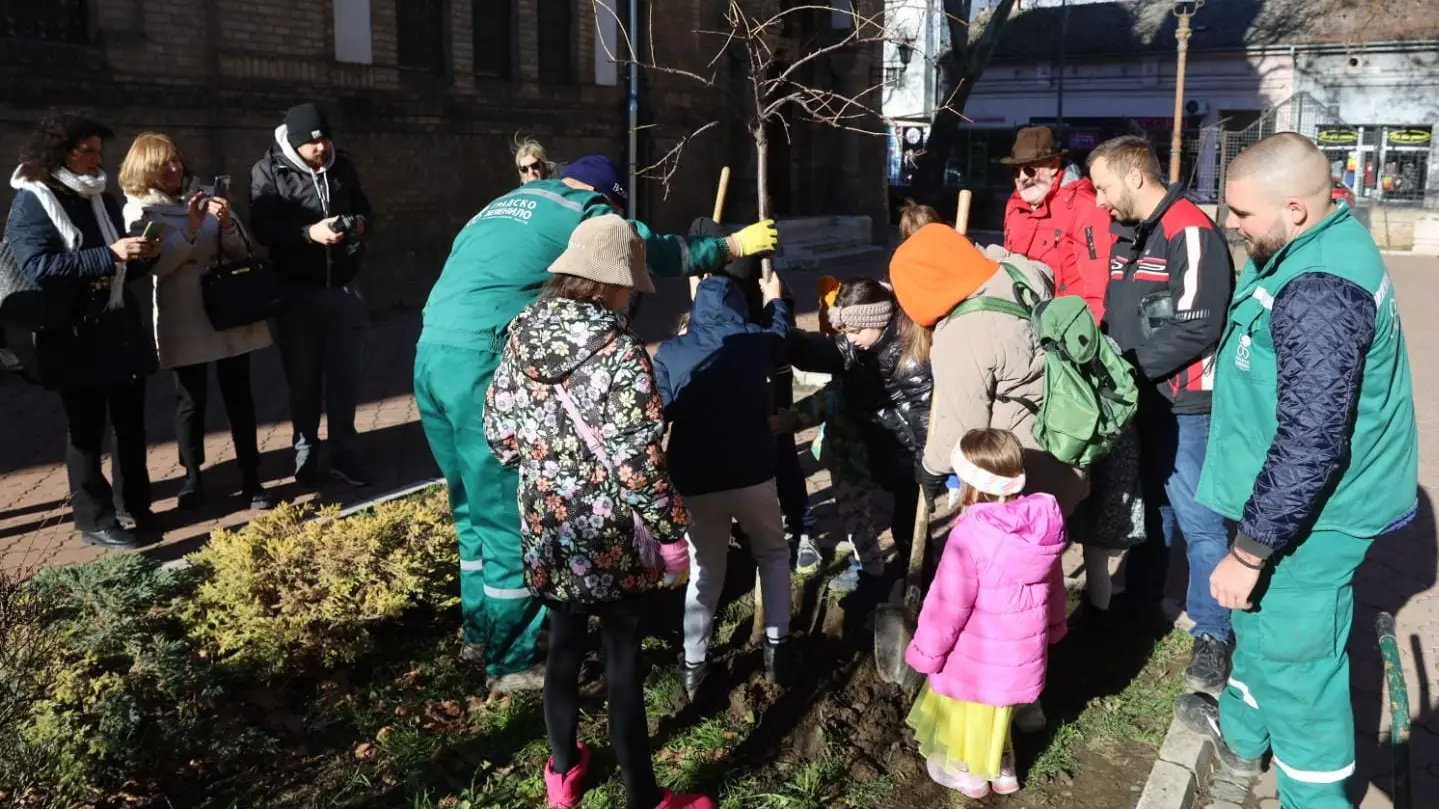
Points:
[[1379, 163]]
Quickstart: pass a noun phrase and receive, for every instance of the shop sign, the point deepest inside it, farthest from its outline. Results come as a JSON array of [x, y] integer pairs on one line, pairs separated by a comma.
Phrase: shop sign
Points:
[[1337, 136], [1408, 137]]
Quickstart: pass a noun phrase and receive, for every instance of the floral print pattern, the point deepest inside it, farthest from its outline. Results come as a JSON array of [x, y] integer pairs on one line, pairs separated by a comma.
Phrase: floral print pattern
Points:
[[577, 519]]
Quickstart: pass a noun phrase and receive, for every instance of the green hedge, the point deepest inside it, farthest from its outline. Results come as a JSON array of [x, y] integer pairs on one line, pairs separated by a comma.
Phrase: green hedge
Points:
[[119, 671]]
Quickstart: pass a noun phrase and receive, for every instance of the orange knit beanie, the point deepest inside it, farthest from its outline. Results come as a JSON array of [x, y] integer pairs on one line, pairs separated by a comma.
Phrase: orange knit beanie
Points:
[[934, 270]]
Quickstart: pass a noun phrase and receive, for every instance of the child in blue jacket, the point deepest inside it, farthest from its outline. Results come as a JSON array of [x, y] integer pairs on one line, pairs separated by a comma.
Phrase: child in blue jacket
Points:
[[714, 383]]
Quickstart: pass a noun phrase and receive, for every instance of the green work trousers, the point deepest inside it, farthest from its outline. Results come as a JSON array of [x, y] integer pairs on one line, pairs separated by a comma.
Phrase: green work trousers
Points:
[[497, 609], [1289, 690]]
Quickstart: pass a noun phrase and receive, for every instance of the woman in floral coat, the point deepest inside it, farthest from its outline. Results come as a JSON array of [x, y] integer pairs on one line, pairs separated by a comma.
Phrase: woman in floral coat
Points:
[[573, 404]]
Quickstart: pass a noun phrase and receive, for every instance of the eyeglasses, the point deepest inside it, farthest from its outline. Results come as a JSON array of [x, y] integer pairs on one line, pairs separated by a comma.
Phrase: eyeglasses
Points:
[[1028, 171], [531, 168]]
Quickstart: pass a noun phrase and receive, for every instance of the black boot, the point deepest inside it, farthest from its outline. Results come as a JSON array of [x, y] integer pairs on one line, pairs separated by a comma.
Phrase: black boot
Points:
[[779, 661], [192, 494], [254, 491], [692, 676], [1208, 669], [1200, 713], [115, 538]]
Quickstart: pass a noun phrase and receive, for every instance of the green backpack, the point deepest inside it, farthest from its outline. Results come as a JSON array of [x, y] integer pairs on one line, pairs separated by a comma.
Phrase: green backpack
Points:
[[1089, 390]]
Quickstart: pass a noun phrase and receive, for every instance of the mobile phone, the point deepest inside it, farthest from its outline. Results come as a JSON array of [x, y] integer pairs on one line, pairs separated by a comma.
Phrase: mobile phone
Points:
[[152, 231], [222, 186]]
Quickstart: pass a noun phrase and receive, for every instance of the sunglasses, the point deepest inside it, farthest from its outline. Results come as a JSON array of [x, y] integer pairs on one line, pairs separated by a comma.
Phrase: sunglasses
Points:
[[531, 168], [1028, 171]]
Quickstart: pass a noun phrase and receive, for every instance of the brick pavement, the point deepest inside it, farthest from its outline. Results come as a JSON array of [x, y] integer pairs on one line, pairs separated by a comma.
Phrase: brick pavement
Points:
[[1400, 575]]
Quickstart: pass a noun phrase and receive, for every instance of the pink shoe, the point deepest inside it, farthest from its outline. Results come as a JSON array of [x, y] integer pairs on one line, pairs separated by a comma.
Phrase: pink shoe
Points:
[[565, 791], [672, 801], [971, 785], [1007, 783]]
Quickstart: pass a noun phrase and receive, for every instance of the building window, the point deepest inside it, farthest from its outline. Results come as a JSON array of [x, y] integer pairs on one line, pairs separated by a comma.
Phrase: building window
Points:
[[1378, 163], [66, 21], [557, 41], [494, 31], [420, 35]]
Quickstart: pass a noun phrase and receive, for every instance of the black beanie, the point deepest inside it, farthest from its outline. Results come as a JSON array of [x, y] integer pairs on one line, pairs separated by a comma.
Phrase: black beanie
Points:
[[304, 123]]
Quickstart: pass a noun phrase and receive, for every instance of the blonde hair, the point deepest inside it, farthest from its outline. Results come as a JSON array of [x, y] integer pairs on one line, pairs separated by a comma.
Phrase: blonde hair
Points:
[[995, 451], [914, 216], [145, 162], [529, 147]]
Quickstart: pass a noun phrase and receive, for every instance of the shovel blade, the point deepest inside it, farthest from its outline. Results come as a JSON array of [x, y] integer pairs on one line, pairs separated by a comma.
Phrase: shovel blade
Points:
[[892, 633]]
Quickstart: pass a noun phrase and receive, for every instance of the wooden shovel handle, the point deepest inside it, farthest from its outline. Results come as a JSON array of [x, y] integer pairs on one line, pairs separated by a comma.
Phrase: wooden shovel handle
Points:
[[919, 544], [718, 213]]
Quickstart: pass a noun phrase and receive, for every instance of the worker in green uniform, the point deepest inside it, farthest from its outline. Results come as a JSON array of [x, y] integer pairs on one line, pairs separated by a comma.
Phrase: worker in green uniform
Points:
[[1313, 453], [498, 263]]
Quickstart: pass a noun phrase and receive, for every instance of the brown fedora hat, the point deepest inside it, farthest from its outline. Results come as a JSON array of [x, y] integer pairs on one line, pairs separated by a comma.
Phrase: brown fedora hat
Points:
[[1033, 145]]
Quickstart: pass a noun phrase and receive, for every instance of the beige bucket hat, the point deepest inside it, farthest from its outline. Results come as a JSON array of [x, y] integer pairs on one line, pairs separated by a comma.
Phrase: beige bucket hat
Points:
[[606, 249]]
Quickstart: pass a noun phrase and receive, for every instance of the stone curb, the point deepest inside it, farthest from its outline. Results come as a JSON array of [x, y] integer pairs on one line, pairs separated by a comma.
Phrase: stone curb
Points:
[[1184, 762]]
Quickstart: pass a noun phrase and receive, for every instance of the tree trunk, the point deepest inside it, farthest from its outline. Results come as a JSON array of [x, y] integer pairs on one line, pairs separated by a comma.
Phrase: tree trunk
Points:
[[761, 183], [966, 64]]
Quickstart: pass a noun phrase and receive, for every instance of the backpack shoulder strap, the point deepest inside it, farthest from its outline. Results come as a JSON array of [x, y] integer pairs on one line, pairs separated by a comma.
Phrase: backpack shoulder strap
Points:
[[986, 304]]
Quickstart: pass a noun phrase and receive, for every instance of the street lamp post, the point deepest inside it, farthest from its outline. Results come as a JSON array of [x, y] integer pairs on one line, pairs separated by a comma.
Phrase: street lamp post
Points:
[[1184, 10]]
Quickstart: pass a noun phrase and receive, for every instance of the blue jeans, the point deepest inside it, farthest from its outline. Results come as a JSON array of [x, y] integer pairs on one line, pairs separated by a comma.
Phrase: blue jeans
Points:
[[1171, 457], [321, 335]]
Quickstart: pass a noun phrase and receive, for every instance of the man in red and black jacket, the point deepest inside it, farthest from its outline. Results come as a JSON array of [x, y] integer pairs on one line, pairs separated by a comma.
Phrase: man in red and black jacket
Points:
[[1052, 217], [1170, 281]]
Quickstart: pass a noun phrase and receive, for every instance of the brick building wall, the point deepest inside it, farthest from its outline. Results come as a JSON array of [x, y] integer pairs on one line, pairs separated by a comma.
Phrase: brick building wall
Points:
[[431, 147]]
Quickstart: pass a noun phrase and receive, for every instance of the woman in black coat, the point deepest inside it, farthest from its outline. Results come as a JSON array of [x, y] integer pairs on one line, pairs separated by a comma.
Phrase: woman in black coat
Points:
[[67, 234]]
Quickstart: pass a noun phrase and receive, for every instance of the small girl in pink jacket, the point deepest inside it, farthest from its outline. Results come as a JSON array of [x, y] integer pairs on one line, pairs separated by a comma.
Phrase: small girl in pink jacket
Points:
[[996, 604]]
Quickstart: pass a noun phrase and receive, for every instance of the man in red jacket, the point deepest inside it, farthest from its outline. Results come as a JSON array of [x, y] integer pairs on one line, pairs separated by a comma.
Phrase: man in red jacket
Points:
[[1057, 222]]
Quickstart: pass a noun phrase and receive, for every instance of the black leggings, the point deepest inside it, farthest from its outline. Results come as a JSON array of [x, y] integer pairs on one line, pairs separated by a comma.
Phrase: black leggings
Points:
[[620, 624]]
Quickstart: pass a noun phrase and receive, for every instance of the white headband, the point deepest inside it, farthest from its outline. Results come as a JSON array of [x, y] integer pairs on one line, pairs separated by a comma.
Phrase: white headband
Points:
[[985, 481]]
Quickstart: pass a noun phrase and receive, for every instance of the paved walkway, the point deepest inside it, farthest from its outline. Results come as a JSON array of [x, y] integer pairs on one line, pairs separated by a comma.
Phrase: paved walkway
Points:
[[1400, 575]]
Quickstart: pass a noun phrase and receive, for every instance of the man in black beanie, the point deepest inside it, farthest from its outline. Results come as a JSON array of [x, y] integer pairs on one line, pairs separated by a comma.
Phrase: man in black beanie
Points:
[[307, 207]]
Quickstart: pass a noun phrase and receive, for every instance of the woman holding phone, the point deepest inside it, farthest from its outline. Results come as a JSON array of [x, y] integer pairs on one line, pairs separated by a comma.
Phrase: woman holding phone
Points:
[[65, 233], [195, 229]]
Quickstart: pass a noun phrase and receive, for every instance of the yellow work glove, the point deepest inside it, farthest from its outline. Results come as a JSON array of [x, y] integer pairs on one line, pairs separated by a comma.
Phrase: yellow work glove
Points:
[[761, 237]]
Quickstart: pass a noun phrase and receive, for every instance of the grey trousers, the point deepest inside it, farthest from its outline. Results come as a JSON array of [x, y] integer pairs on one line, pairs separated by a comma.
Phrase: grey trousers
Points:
[[322, 337], [758, 512]]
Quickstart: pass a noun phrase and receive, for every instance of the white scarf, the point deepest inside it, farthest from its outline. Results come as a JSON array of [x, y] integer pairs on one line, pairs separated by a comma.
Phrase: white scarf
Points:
[[92, 188]]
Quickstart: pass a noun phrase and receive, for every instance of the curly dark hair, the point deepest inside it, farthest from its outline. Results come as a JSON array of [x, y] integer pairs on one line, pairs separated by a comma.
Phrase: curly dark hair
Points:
[[54, 138]]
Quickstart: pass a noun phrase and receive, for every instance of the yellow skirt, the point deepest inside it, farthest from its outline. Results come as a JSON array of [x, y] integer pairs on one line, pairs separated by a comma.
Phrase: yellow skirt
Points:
[[961, 734]]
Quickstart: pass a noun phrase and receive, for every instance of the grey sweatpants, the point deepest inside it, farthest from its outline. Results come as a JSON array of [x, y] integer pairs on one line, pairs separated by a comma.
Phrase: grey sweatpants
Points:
[[758, 512]]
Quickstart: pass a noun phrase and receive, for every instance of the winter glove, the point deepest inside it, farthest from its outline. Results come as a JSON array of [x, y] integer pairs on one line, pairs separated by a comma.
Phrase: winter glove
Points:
[[931, 484], [761, 237], [676, 556]]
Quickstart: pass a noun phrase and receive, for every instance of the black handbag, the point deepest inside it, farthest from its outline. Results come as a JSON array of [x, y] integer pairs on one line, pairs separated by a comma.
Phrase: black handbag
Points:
[[239, 293], [23, 304]]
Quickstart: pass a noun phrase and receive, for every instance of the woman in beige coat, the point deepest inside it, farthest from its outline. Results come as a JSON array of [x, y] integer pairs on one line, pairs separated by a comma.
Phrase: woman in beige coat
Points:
[[197, 228], [988, 367]]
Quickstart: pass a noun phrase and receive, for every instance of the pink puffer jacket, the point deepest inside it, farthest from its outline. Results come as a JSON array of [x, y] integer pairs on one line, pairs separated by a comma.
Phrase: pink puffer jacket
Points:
[[996, 604]]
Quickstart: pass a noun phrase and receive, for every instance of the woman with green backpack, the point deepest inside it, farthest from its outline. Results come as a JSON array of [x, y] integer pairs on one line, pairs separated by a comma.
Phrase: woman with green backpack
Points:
[[989, 368]]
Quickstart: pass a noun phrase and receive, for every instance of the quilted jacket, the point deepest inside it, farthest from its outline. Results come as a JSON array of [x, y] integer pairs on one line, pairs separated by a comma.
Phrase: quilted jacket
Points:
[[996, 604], [889, 403], [577, 528]]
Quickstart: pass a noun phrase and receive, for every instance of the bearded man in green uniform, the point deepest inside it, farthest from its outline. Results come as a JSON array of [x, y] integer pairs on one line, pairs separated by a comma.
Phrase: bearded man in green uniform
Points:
[[1314, 454], [499, 261]]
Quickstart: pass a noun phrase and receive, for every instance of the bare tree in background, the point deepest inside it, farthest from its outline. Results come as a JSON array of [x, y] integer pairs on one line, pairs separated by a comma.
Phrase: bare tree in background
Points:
[[963, 66], [774, 93]]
